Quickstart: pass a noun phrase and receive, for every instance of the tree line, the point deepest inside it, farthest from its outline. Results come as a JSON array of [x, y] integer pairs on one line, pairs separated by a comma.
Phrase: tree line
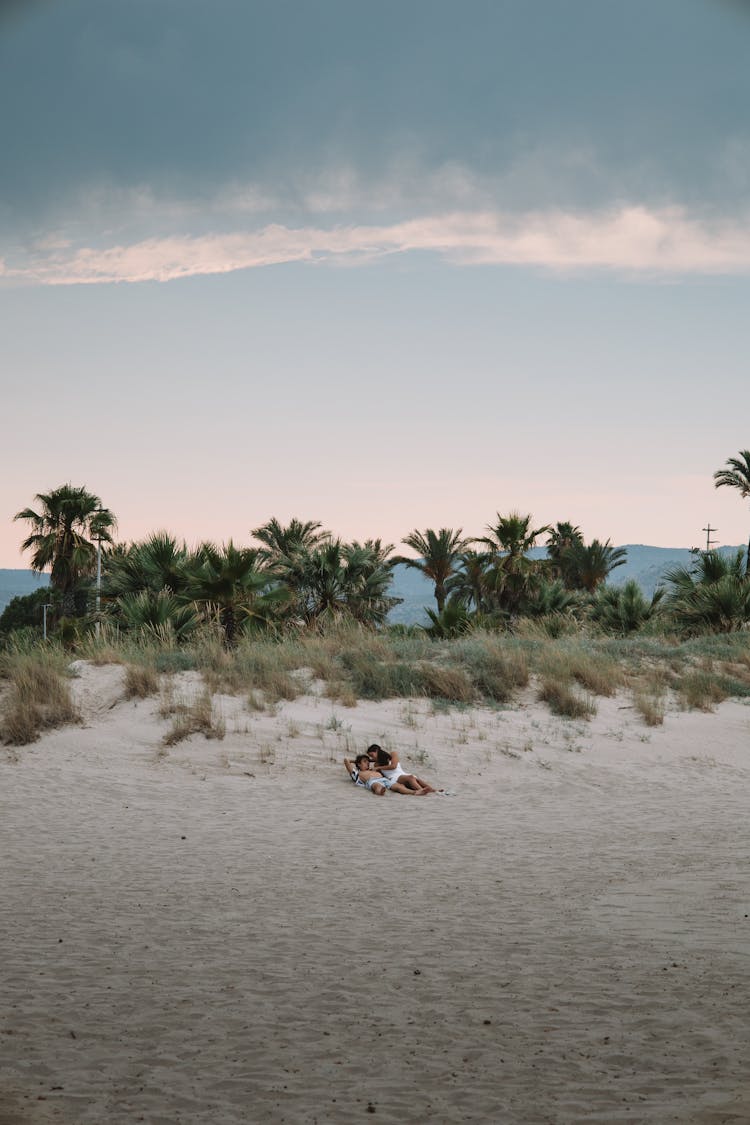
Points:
[[300, 576]]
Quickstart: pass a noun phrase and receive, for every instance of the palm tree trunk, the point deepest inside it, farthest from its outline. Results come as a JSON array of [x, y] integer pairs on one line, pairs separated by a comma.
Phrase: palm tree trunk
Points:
[[440, 596], [229, 621]]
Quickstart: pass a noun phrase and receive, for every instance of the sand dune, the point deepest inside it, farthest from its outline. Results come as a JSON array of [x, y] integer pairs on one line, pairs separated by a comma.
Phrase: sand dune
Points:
[[228, 931]]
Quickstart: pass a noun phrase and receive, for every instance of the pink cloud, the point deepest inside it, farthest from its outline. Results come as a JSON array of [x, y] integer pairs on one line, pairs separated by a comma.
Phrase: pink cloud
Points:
[[630, 240]]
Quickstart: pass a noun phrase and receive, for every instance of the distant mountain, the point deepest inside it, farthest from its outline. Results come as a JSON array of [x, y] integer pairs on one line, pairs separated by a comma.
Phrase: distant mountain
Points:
[[645, 564], [648, 564]]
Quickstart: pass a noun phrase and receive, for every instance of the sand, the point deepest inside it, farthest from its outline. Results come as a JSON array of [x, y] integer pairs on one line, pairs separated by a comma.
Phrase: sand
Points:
[[228, 931]]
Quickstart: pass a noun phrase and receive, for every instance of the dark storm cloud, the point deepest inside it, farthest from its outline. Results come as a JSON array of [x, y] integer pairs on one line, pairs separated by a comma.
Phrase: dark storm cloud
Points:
[[185, 96]]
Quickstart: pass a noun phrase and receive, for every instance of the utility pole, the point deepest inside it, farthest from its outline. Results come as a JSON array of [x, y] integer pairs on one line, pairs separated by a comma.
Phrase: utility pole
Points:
[[45, 607], [709, 541]]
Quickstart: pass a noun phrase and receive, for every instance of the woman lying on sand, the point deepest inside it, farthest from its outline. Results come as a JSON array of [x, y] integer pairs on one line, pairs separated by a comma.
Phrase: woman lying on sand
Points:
[[363, 773], [390, 767]]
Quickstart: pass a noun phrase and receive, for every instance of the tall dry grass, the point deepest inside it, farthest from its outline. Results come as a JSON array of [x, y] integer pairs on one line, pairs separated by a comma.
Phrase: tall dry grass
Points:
[[563, 699], [141, 681], [38, 696], [354, 663], [194, 716]]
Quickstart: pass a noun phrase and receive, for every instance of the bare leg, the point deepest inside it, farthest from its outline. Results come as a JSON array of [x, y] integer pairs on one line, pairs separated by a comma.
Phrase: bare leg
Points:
[[410, 781], [397, 788]]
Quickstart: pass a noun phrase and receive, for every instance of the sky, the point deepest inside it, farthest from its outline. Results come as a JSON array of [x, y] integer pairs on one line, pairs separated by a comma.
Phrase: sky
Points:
[[386, 266]]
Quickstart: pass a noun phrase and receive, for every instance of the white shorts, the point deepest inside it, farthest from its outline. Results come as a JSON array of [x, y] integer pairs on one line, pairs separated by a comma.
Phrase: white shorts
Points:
[[384, 781]]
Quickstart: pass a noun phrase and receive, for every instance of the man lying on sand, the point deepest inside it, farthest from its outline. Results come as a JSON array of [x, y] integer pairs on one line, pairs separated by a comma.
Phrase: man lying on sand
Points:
[[363, 773], [390, 768]]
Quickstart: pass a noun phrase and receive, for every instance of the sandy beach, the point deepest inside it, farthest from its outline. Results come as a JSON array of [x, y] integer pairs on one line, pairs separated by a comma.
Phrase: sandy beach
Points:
[[228, 931]]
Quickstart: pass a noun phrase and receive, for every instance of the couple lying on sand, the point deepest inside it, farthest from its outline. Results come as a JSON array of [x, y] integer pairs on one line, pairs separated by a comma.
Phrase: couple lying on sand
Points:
[[379, 771]]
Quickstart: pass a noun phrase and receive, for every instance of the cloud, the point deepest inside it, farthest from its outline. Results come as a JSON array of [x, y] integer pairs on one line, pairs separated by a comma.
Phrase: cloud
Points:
[[190, 97], [631, 240]]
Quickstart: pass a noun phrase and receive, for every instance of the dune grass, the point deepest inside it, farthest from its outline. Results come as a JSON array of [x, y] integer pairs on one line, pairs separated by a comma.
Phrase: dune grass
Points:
[[38, 695], [650, 702], [563, 699], [141, 681], [349, 662], [194, 716]]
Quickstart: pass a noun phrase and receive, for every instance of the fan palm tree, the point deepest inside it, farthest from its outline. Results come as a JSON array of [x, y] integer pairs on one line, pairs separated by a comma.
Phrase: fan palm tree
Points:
[[454, 621], [512, 576], [336, 580], [229, 578], [157, 614], [469, 583], [551, 598], [562, 536], [513, 535], [624, 609], [369, 574], [279, 541], [586, 566], [63, 526], [707, 568], [317, 581], [439, 556], [157, 563], [714, 594], [737, 475]]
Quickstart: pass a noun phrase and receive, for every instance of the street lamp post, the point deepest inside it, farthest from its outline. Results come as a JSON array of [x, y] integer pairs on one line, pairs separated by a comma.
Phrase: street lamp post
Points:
[[45, 607], [98, 582], [99, 511]]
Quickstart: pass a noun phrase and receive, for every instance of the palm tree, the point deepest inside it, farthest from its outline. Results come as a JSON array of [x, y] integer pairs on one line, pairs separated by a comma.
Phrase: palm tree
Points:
[[550, 598], [714, 594], [586, 566], [369, 574], [336, 580], [229, 579], [454, 621], [512, 576], [281, 541], [513, 535], [562, 536], [624, 609], [317, 582], [158, 614], [737, 475], [157, 563], [61, 536], [439, 553], [469, 583]]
